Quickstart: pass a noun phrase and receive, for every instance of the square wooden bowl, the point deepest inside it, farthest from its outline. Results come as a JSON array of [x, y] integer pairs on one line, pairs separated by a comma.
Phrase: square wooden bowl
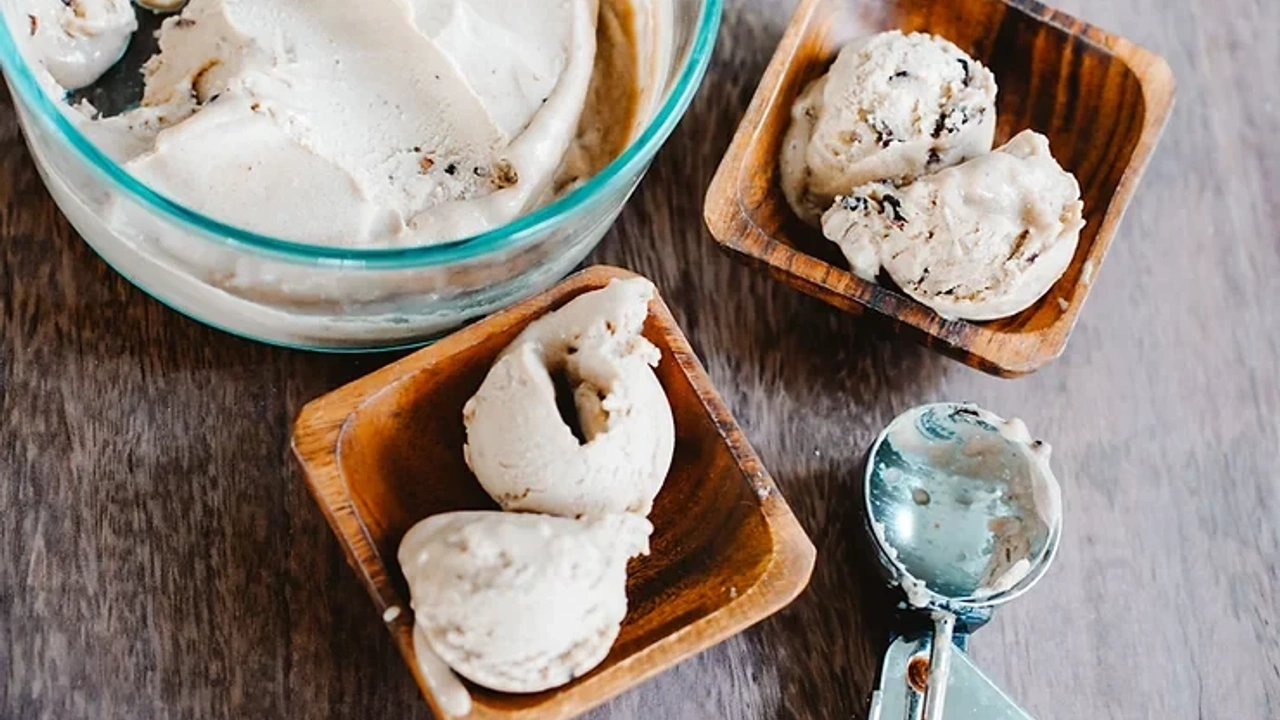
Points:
[[385, 451], [1101, 100]]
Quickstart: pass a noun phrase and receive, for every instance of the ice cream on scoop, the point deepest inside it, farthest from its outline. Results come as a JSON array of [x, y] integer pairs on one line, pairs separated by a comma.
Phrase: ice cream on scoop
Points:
[[520, 602], [613, 453], [977, 241], [892, 107], [75, 40]]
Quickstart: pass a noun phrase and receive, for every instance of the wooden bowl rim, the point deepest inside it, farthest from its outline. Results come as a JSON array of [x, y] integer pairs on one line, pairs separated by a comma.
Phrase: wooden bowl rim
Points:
[[316, 443], [733, 228]]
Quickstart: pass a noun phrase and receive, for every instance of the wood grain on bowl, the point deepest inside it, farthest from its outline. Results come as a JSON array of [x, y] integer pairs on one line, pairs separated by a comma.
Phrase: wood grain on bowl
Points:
[[1101, 100], [386, 451]]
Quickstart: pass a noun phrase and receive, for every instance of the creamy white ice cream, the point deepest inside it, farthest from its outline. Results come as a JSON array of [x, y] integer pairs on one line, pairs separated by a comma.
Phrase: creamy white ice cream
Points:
[[379, 123], [75, 40], [520, 602], [306, 166], [529, 458], [385, 122], [978, 241], [892, 107]]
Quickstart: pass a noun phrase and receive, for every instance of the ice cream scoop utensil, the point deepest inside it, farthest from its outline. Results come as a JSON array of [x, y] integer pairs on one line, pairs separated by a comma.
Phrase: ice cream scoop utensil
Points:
[[965, 515]]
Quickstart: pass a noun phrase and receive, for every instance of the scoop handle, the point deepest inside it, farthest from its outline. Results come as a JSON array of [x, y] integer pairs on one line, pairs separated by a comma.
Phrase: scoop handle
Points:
[[944, 626]]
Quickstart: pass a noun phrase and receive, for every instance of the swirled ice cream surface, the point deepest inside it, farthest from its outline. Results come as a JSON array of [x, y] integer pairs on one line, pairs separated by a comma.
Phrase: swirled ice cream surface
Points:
[[372, 123]]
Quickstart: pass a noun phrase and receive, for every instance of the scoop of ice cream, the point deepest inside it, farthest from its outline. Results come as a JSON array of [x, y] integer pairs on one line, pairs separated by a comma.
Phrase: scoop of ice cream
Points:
[[978, 241], [528, 457], [520, 602], [892, 107], [75, 40]]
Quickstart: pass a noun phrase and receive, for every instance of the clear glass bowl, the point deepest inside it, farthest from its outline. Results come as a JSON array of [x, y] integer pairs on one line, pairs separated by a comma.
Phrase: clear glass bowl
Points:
[[326, 298]]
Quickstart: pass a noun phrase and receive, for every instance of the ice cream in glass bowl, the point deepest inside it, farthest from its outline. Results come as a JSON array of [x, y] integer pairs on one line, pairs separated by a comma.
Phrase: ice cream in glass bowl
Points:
[[348, 176]]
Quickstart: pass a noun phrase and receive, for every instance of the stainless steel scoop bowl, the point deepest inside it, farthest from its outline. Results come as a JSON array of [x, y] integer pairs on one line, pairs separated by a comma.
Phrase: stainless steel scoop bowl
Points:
[[965, 514]]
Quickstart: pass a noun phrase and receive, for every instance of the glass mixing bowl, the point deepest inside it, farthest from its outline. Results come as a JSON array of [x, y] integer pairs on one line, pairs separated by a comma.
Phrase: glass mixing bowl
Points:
[[327, 298]]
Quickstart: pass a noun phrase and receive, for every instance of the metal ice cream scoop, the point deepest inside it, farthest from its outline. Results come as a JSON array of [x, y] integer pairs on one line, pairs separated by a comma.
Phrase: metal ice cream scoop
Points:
[[966, 515]]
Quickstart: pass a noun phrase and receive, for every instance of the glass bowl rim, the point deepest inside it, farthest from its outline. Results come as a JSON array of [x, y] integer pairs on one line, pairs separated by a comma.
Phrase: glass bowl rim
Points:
[[523, 229]]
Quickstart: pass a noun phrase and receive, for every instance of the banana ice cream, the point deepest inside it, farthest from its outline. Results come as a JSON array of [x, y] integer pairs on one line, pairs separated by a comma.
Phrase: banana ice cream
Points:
[[519, 602], [378, 123], [572, 434], [350, 126], [571, 420], [978, 241], [385, 122], [892, 108]]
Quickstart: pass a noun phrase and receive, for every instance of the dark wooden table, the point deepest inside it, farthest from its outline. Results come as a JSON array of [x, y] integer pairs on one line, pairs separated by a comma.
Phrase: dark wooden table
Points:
[[159, 556]]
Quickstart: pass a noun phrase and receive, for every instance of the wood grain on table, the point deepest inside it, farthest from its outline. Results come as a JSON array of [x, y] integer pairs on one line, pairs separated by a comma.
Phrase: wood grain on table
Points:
[[160, 558]]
